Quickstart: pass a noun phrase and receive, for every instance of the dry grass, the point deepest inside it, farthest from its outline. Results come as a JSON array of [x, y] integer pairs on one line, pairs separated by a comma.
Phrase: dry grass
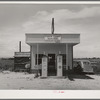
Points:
[[6, 64]]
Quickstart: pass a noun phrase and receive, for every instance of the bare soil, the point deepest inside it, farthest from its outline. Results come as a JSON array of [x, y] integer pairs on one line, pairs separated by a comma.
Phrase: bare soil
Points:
[[24, 81]]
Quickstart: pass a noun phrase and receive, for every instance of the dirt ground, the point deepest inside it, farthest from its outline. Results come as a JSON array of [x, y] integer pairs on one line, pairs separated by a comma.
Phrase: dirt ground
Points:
[[25, 81]]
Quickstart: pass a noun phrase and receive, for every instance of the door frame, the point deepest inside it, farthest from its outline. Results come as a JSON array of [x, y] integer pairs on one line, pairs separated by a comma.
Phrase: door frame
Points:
[[54, 65]]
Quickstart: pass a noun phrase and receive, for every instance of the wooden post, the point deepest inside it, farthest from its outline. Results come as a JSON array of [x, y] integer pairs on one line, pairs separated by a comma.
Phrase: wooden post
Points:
[[37, 53], [66, 56]]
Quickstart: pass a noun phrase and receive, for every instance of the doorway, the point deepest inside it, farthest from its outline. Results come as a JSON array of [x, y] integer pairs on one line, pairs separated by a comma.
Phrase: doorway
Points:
[[51, 65]]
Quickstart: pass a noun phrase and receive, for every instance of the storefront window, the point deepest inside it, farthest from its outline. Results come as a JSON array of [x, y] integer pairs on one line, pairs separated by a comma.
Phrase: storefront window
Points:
[[39, 59]]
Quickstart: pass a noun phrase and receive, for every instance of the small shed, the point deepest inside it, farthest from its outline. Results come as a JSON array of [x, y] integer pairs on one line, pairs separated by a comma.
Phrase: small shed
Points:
[[20, 60]]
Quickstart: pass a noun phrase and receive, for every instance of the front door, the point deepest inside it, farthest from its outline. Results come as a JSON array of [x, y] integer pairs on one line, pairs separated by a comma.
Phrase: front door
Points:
[[51, 65]]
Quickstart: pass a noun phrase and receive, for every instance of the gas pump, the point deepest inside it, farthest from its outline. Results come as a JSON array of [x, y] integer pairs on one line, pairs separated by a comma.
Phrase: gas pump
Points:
[[44, 66], [59, 65]]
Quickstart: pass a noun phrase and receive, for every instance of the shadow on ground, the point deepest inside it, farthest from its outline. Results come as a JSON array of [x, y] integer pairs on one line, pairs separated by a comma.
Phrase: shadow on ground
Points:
[[71, 77]]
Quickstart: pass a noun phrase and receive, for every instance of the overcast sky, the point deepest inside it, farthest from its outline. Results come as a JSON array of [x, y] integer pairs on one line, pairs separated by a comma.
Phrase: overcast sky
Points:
[[18, 19]]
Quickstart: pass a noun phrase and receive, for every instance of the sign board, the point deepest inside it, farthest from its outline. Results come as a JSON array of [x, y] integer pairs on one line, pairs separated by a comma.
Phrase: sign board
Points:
[[22, 54], [44, 66], [53, 38], [59, 66]]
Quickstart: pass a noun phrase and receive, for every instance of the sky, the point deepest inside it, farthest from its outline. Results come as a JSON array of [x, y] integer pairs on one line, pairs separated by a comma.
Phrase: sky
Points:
[[18, 19]]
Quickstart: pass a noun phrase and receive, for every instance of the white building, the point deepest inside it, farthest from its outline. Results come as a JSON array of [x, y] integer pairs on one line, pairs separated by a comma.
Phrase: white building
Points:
[[52, 45]]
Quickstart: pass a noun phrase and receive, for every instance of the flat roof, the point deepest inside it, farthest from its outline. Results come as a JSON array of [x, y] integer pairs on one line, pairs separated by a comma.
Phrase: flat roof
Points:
[[22, 54], [52, 34], [52, 38]]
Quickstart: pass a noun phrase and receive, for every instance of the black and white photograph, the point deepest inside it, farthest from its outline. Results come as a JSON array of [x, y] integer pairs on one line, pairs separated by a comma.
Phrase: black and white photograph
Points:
[[49, 46]]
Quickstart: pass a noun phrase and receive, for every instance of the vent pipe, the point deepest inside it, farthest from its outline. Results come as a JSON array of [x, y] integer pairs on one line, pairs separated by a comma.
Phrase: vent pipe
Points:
[[52, 26], [19, 46]]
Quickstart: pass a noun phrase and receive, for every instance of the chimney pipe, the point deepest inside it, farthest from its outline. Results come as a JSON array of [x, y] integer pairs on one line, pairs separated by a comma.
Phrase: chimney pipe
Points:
[[52, 26], [19, 46]]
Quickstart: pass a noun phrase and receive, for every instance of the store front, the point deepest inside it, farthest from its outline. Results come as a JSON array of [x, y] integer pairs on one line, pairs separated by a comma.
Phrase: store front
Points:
[[53, 52]]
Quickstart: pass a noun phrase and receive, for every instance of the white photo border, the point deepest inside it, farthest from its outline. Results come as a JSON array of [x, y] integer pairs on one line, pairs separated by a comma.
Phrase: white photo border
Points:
[[49, 94]]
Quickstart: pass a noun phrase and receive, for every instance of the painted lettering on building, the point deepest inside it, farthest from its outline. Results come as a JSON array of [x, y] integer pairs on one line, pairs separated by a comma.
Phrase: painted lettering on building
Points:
[[53, 38]]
